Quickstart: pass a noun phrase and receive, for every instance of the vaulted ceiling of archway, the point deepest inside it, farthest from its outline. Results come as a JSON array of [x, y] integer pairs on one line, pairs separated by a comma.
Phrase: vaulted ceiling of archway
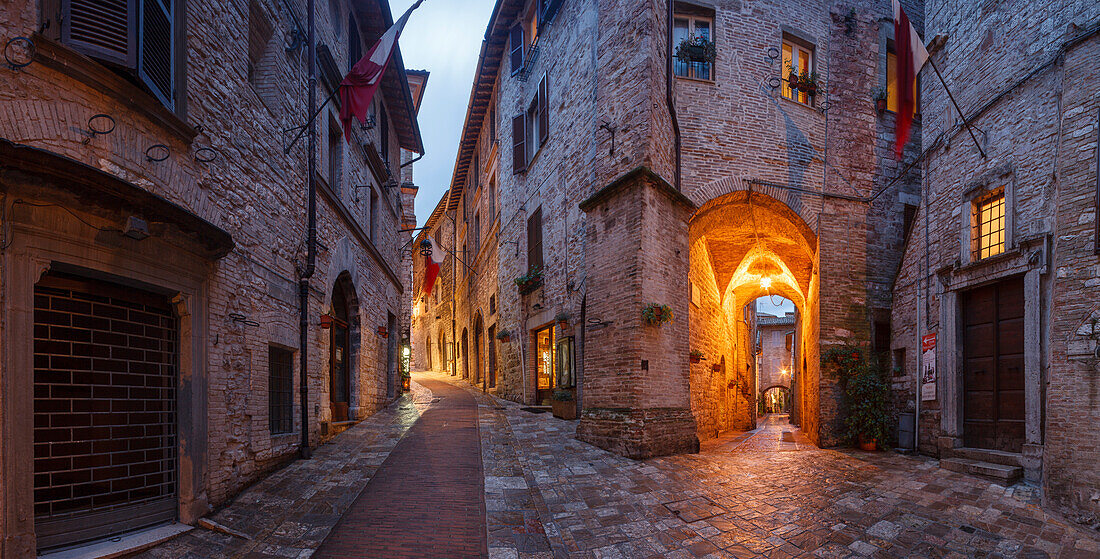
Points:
[[732, 232]]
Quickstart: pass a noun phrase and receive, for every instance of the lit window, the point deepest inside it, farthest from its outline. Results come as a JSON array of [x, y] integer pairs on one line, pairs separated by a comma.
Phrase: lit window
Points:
[[687, 28], [988, 225], [892, 84], [801, 61]]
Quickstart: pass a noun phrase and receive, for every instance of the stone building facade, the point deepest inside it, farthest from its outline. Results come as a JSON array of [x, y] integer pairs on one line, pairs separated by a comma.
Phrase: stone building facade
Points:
[[775, 358], [153, 242], [1001, 266], [579, 199]]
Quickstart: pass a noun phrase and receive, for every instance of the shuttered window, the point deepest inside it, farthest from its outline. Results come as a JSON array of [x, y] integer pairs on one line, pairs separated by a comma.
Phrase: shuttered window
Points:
[[534, 240], [516, 44], [355, 43], [543, 113], [136, 35], [519, 144]]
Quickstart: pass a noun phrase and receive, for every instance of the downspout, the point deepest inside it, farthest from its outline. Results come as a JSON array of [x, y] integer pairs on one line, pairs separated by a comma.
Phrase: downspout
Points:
[[668, 95], [311, 236], [454, 299]]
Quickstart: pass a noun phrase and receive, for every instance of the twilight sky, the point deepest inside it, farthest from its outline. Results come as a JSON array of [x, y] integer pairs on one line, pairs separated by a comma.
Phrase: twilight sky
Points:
[[444, 38]]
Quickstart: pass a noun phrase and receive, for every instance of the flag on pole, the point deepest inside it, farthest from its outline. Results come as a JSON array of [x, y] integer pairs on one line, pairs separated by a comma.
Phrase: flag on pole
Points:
[[911, 58], [358, 88], [431, 266]]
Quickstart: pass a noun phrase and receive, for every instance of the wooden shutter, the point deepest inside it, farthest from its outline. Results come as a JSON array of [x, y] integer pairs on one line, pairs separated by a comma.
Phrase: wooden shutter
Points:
[[519, 144], [156, 55], [103, 29], [516, 40], [534, 240], [543, 112]]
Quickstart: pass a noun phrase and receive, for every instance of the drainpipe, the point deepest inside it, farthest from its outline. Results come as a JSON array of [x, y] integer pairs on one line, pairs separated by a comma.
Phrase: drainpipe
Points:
[[668, 95], [311, 236]]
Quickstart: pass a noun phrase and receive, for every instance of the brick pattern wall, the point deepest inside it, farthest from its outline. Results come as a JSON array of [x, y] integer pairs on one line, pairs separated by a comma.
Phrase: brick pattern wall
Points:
[[253, 191]]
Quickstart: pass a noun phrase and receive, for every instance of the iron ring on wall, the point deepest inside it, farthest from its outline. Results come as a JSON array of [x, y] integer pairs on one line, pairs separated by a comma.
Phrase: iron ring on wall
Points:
[[10, 52], [101, 131], [155, 148], [774, 82], [206, 155], [773, 53]]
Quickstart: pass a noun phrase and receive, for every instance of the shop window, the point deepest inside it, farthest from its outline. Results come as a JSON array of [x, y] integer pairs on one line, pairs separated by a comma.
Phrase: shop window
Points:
[[566, 378], [686, 27], [799, 57], [544, 357], [988, 225], [280, 401]]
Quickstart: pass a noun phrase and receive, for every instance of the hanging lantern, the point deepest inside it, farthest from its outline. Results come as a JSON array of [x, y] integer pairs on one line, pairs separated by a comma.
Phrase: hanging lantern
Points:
[[426, 248]]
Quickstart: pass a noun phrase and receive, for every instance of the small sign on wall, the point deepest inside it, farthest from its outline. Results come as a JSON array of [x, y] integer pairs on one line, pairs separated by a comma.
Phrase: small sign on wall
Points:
[[694, 294], [928, 368]]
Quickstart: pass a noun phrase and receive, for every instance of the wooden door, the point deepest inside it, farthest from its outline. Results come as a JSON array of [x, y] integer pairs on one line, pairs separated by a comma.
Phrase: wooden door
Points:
[[993, 366]]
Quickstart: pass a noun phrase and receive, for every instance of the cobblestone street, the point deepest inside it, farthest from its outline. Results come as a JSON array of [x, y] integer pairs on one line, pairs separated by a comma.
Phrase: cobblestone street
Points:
[[546, 494]]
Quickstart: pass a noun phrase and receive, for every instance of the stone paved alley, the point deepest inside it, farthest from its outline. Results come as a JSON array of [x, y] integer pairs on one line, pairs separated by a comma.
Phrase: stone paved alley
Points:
[[548, 495]]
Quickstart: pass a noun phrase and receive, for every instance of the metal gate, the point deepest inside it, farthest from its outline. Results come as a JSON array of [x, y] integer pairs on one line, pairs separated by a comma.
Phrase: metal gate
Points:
[[105, 376]]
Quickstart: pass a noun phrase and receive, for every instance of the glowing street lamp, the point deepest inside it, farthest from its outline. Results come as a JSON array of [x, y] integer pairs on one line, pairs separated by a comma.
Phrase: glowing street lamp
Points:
[[766, 282]]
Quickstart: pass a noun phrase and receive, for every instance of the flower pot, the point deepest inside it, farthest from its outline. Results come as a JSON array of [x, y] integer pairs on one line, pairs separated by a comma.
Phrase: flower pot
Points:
[[563, 324], [880, 104], [406, 383], [792, 80], [505, 339], [695, 359], [810, 90], [694, 53], [566, 409], [716, 367], [867, 444]]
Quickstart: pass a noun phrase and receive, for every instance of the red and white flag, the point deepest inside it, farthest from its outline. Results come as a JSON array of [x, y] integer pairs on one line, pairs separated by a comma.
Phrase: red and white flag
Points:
[[911, 58], [358, 88], [431, 266]]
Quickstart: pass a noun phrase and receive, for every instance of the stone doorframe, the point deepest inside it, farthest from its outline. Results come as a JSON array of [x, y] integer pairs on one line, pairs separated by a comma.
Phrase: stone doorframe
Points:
[[1030, 259], [49, 244]]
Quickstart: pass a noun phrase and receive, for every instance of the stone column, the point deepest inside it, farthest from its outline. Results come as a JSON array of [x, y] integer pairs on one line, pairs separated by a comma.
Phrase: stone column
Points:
[[1032, 451], [636, 394]]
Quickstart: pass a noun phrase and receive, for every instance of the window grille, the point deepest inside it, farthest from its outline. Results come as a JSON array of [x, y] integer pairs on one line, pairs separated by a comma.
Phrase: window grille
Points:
[[988, 230]]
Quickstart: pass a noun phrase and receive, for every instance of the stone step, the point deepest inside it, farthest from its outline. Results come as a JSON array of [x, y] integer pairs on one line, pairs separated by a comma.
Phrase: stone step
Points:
[[997, 472], [986, 455]]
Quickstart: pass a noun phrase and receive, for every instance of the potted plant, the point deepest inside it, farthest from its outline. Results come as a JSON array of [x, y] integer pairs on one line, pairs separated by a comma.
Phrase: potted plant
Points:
[[504, 335], [807, 82], [406, 381], [880, 100], [792, 77], [867, 394], [696, 356], [562, 404], [529, 281], [562, 319], [655, 314], [696, 49], [717, 368]]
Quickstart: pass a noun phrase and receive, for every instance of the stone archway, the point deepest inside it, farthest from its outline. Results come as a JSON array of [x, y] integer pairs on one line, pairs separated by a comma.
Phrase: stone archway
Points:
[[343, 355], [478, 350], [745, 245]]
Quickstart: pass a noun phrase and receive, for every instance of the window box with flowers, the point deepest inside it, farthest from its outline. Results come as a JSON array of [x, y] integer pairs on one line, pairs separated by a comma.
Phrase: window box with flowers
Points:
[[696, 49], [504, 335], [530, 281]]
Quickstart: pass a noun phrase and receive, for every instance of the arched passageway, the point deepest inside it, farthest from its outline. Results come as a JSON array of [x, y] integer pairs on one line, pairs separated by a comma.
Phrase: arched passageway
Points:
[[746, 245]]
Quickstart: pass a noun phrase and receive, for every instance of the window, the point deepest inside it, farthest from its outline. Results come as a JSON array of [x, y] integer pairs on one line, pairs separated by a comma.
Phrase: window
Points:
[[534, 240], [544, 367], [476, 173], [800, 58], [384, 134], [988, 225], [492, 305], [373, 211], [686, 27], [477, 235], [259, 33], [493, 121], [355, 42], [892, 83], [138, 38], [515, 39], [565, 363], [280, 395], [335, 154], [491, 192], [530, 130]]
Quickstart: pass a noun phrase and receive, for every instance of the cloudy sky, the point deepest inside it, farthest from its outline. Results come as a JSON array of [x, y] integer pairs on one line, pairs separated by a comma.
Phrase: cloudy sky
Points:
[[444, 38]]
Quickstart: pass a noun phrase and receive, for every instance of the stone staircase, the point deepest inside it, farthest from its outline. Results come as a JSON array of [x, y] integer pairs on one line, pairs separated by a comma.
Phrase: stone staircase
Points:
[[999, 466]]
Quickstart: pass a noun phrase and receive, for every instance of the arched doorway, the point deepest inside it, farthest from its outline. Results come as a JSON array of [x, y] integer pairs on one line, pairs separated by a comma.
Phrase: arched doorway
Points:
[[465, 354], [775, 335], [343, 349], [479, 337], [747, 245], [776, 399]]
